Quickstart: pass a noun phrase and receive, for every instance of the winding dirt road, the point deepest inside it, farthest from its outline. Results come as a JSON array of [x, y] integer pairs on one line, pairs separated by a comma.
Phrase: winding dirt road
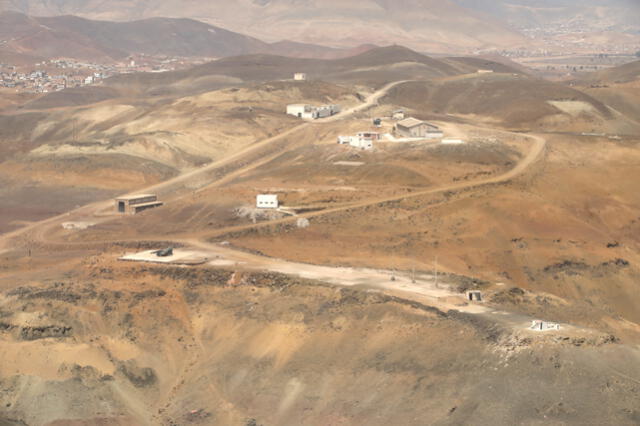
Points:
[[94, 208]]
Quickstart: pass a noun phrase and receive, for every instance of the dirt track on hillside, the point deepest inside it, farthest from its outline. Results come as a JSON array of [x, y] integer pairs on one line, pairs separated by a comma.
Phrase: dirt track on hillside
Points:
[[94, 208]]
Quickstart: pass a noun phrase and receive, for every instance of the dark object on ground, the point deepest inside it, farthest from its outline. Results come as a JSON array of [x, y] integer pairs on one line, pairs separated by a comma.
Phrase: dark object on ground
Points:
[[165, 252]]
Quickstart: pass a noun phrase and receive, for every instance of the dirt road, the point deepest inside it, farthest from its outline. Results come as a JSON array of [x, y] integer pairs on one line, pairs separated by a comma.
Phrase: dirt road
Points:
[[95, 208], [532, 156]]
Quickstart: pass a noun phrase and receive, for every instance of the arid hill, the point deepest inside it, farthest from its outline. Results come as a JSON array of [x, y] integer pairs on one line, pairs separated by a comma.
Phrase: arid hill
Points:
[[375, 67], [627, 73], [514, 101], [79, 38], [348, 305]]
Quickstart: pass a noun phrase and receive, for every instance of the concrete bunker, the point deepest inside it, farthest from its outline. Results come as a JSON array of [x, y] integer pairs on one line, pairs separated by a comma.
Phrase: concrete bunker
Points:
[[474, 296], [134, 204]]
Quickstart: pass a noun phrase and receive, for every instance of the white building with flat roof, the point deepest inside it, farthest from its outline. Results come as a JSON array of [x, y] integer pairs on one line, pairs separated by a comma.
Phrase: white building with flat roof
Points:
[[311, 112], [267, 201], [300, 76], [363, 140]]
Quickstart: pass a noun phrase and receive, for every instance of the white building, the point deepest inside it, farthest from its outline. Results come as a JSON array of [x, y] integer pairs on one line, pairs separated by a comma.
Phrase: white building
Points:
[[267, 201], [363, 140], [301, 110], [300, 76], [312, 112]]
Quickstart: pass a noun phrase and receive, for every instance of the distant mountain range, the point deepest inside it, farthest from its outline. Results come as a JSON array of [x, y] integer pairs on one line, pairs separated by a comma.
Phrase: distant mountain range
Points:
[[250, 26], [29, 38], [427, 25]]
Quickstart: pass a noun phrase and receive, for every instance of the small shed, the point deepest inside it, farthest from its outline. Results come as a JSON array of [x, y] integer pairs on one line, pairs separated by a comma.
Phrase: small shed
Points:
[[474, 296], [134, 204], [300, 76], [267, 201]]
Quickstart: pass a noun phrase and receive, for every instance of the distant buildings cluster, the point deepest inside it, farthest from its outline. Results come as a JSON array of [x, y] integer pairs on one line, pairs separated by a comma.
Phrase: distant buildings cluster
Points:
[[60, 74]]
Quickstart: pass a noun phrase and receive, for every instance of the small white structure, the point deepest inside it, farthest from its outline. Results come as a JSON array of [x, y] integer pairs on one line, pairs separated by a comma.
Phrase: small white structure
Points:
[[312, 112], [414, 128], [300, 110], [452, 142], [363, 140], [300, 76], [267, 201], [398, 114], [537, 325], [485, 71]]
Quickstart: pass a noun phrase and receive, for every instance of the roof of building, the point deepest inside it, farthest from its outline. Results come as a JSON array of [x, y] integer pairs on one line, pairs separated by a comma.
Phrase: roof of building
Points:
[[413, 122], [135, 197], [410, 122], [151, 204]]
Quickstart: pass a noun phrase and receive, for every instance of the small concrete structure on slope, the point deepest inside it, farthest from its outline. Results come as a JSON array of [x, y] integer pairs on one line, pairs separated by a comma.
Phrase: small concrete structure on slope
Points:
[[267, 201], [133, 204], [363, 140], [538, 325]]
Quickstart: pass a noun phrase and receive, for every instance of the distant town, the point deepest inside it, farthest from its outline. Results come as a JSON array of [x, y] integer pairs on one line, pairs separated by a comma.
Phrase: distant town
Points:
[[63, 73]]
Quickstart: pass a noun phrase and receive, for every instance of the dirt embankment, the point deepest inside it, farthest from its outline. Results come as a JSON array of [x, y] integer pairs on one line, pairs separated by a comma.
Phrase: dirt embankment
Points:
[[118, 344]]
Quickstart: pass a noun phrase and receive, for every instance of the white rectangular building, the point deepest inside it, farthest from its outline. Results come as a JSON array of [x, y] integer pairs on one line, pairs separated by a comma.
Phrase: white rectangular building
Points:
[[312, 112], [267, 201], [363, 140], [300, 76]]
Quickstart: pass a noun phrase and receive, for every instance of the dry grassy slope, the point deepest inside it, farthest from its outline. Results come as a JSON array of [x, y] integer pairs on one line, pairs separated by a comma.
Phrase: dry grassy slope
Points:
[[622, 74], [514, 101], [179, 132], [376, 67], [564, 230], [124, 144], [618, 87], [118, 344]]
